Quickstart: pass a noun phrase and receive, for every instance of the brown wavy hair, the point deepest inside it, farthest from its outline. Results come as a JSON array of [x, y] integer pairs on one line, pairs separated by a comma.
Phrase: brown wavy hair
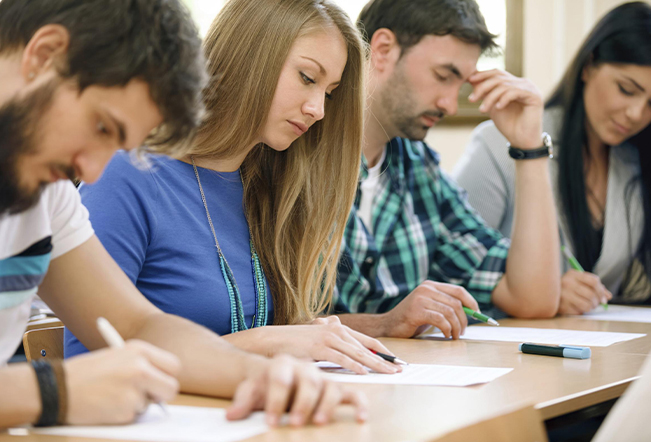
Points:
[[297, 201]]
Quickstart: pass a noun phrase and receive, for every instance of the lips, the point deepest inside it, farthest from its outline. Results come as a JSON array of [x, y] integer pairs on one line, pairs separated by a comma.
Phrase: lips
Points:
[[429, 121], [621, 129], [299, 128]]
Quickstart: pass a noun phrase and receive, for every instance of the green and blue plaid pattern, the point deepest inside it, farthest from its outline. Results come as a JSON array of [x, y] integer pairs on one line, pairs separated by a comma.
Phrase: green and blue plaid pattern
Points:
[[423, 229]]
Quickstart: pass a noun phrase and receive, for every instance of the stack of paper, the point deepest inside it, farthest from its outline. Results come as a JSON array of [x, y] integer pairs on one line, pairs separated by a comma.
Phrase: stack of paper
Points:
[[419, 374], [543, 336], [180, 424]]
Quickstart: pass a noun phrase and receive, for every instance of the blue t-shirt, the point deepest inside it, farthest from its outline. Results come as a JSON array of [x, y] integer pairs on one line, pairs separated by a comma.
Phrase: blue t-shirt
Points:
[[153, 223]]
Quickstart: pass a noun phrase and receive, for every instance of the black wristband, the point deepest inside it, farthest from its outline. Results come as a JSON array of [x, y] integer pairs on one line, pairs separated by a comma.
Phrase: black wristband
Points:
[[47, 384]]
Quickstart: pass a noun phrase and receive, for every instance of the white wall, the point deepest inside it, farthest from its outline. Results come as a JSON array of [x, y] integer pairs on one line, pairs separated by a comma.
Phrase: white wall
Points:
[[553, 32]]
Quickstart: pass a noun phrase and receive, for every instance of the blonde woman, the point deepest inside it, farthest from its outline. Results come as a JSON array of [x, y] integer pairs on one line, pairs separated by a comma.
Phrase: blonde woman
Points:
[[244, 231]]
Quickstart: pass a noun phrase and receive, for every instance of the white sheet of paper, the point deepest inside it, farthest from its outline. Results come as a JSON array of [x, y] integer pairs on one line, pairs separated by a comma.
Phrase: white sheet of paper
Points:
[[544, 336], [619, 313], [182, 424], [419, 374]]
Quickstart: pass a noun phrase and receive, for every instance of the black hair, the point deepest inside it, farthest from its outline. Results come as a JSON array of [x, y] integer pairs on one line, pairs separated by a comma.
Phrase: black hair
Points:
[[411, 20], [623, 36], [115, 41]]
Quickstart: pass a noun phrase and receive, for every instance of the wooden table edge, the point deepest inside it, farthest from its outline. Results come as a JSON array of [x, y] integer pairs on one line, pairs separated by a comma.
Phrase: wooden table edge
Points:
[[574, 402]]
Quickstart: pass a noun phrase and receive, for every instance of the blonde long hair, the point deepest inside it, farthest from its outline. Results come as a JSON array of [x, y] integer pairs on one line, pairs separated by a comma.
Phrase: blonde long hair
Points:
[[297, 201]]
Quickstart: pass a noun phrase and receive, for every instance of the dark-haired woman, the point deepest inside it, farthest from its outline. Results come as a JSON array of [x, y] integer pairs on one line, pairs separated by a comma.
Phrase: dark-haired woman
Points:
[[599, 118]]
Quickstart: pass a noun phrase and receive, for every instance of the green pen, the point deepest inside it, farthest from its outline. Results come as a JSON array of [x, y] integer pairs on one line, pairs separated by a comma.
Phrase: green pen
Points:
[[576, 266], [480, 316]]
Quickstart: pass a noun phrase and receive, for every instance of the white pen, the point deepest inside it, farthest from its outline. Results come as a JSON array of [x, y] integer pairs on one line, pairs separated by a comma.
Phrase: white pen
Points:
[[114, 340]]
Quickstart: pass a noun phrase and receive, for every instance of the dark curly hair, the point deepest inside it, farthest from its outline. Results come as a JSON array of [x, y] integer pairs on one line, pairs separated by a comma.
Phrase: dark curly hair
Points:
[[115, 41]]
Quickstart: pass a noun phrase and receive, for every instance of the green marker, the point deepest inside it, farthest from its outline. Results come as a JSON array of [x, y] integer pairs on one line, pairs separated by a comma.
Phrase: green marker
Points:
[[576, 266], [480, 316]]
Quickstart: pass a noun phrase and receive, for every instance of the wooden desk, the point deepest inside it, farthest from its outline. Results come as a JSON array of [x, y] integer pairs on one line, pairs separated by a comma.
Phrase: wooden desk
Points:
[[555, 386]]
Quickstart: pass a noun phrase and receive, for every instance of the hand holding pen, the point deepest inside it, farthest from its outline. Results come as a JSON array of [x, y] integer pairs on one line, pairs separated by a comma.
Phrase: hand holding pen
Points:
[[580, 291], [114, 340]]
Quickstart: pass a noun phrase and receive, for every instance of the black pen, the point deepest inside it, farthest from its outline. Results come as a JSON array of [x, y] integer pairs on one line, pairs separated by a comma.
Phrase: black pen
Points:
[[394, 359]]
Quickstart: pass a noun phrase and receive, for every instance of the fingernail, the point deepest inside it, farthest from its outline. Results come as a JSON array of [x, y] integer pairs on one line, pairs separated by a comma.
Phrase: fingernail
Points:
[[471, 97], [296, 420], [320, 418], [482, 108], [272, 420]]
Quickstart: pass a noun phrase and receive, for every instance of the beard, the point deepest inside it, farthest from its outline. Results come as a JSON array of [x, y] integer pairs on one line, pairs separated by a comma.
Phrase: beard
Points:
[[398, 100], [20, 119]]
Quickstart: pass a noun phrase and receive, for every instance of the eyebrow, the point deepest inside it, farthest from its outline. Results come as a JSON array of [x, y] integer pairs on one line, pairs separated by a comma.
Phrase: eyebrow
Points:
[[321, 68], [452, 68], [637, 85]]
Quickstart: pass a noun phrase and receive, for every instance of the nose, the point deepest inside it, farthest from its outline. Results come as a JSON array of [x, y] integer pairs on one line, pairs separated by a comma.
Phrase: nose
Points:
[[636, 111], [91, 163], [449, 103], [314, 107]]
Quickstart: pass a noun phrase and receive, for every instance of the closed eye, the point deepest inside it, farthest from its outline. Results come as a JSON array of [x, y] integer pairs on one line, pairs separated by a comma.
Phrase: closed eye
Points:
[[306, 79], [624, 90]]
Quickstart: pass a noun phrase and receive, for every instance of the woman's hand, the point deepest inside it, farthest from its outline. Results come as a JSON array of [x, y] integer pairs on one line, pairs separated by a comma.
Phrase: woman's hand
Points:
[[326, 339], [581, 292]]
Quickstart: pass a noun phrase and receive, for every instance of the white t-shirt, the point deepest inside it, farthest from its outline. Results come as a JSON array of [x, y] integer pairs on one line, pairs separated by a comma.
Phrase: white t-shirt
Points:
[[28, 242], [368, 188]]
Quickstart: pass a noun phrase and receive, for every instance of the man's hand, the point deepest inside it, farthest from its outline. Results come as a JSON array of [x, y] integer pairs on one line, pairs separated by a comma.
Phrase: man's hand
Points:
[[113, 386], [581, 292], [514, 104], [431, 303], [284, 383]]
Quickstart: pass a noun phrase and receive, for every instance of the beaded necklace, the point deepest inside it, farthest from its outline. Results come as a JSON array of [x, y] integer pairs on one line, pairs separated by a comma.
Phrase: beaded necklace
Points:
[[237, 311]]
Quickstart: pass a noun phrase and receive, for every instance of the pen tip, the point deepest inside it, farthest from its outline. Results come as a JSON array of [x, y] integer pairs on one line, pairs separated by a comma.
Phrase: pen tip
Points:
[[493, 322]]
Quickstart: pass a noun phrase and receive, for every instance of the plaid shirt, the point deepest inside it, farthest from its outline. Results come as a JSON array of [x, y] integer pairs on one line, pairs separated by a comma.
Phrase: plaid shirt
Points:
[[423, 229]]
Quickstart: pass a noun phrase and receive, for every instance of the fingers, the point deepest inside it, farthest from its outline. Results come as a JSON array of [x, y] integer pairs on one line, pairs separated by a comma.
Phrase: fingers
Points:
[[358, 400], [280, 389], [308, 394], [458, 292], [334, 395], [245, 400], [438, 320], [457, 317], [483, 88], [369, 342], [480, 76], [156, 385], [353, 354], [161, 359]]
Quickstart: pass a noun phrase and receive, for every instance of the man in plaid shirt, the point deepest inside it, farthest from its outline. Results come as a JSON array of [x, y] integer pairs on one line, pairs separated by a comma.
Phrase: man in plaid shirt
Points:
[[414, 251]]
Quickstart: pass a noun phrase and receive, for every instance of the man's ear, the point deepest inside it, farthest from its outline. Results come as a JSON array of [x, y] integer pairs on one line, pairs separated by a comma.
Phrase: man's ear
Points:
[[47, 47], [385, 49]]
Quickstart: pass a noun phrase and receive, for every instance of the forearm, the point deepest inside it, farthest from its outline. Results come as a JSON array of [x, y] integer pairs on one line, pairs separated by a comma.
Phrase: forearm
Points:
[[20, 401], [372, 325], [254, 340], [210, 365], [531, 284]]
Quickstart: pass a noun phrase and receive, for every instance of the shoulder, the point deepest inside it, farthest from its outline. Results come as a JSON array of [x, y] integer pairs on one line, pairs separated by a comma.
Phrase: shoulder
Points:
[[124, 175]]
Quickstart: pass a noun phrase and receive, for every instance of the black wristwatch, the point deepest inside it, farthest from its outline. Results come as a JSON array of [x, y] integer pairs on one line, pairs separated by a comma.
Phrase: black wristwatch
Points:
[[547, 149]]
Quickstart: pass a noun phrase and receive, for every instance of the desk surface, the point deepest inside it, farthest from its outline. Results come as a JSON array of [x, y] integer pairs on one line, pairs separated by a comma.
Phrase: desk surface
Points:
[[554, 385]]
